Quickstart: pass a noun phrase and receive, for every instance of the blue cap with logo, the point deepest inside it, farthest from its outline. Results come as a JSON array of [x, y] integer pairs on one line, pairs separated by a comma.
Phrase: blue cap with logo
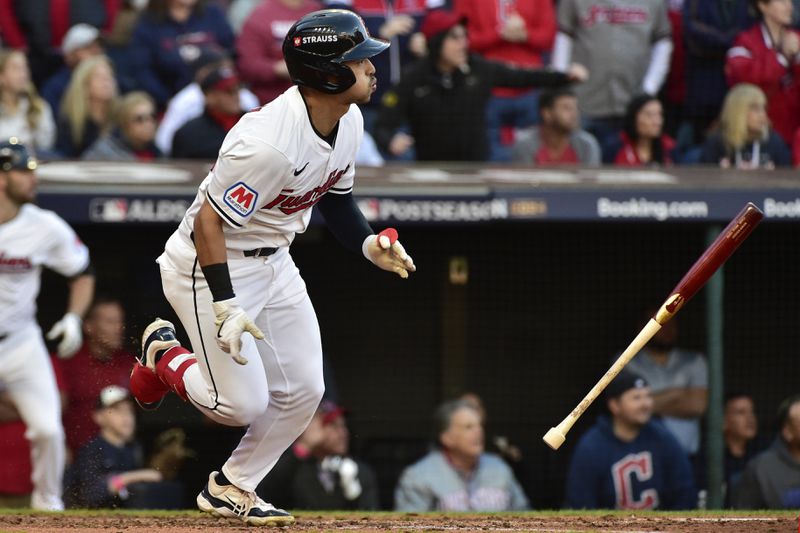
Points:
[[15, 156]]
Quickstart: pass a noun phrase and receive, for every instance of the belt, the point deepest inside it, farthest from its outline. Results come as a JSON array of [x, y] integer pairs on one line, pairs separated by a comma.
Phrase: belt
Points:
[[3, 337], [259, 252]]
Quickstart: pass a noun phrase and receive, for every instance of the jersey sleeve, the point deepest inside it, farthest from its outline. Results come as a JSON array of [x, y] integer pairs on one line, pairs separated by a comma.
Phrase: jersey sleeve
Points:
[[68, 255], [567, 17], [248, 174]]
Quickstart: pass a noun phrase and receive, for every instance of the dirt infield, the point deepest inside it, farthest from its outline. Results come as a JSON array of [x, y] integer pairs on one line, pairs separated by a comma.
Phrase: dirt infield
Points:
[[130, 522]]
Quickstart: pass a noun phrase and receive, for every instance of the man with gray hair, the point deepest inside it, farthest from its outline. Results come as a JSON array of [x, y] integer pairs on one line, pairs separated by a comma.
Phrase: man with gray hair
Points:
[[458, 475]]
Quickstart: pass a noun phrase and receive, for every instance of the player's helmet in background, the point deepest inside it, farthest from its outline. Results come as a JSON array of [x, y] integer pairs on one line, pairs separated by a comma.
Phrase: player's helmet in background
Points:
[[15, 156], [316, 46]]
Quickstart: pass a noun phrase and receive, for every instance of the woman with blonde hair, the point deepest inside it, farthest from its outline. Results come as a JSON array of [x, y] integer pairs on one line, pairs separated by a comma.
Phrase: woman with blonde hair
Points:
[[23, 113], [87, 106], [744, 139], [132, 138]]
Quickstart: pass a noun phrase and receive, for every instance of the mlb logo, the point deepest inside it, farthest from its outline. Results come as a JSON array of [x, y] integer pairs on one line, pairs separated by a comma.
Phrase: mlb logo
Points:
[[298, 41], [241, 198]]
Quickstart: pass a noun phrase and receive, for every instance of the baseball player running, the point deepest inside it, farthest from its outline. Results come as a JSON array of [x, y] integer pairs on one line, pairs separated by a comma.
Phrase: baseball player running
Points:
[[228, 274], [31, 238]]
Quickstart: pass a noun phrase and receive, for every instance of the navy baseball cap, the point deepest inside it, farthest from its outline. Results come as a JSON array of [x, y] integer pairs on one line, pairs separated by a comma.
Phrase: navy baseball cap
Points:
[[15, 156], [625, 381]]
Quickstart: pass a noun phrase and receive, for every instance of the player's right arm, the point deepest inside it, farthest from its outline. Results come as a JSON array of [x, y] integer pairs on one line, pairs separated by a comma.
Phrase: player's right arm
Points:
[[246, 171], [231, 320]]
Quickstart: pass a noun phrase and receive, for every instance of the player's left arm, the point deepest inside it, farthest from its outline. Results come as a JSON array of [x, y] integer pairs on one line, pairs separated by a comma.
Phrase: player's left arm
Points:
[[70, 257], [348, 224]]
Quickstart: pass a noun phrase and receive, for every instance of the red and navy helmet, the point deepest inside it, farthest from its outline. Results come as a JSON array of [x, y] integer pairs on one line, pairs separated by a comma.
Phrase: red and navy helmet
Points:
[[316, 46]]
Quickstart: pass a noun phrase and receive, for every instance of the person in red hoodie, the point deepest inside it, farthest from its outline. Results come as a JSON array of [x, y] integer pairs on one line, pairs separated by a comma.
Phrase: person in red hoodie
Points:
[[768, 55], [642, 142], [517, 33]]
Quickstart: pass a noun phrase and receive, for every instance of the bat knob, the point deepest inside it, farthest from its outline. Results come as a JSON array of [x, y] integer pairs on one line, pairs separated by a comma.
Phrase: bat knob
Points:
[[554, 438]]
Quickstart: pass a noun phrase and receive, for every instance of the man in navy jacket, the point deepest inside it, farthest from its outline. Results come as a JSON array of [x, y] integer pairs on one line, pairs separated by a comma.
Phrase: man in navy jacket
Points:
[[629, 461]]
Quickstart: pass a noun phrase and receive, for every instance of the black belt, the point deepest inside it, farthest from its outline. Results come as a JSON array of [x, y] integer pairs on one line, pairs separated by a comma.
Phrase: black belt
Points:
[[3, 337], [259, 252]]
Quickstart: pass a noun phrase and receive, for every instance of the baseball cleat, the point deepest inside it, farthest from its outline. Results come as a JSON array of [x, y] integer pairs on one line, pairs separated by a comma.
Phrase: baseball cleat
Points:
[[229, 501], [158, 337], [146, 387]]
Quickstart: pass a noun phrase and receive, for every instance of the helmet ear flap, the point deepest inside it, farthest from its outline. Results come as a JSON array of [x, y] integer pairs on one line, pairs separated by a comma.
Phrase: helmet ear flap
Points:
[[331, 78]]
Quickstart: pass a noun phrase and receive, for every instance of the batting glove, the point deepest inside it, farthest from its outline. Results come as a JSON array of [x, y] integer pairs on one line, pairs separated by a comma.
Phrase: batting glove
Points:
[[231, 323], [69, 329], [386, 252]]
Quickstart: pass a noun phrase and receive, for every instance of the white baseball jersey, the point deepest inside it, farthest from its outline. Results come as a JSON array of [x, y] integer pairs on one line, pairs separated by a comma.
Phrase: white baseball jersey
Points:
[[272, 168], [32, 239]]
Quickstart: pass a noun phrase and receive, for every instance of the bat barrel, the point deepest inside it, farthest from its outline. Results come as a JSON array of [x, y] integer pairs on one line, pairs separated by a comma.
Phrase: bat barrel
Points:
[[715, 255]]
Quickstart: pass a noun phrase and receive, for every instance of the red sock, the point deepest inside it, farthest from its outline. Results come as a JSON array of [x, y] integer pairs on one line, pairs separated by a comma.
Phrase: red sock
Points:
[[146, 386], [172, 366]]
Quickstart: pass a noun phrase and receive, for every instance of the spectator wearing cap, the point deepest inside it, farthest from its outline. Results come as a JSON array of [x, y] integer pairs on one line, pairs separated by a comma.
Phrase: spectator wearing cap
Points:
[[771, 480], [107, 471], [80, 42], [23, 113], [168, 37], [516, 33], [190, 101], [133, 135], [768, 55], [329, 478], [260, 45], [558, 139], [87, 106], [442, 98], [102, 360], [625, 45], [459, 475], [629, 461], [202, 137], [45, 24]]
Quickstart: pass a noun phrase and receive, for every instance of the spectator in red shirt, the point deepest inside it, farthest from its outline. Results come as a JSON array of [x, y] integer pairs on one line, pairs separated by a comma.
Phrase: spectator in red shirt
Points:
[[517, 33], [558, 139], [768, 55], [642, 141], [101, 361], [260, 45]]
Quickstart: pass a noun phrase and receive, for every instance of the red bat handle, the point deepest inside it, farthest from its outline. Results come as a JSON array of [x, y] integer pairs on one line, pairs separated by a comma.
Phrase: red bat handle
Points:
[[715, 255]]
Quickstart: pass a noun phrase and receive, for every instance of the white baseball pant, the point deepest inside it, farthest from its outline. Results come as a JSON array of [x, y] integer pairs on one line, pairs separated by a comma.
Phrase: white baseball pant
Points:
[[277, 392], [27, 375]]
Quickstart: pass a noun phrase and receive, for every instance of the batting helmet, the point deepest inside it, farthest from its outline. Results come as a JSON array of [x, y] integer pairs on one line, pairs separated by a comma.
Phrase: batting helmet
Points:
[[316, 46], [15, 156]]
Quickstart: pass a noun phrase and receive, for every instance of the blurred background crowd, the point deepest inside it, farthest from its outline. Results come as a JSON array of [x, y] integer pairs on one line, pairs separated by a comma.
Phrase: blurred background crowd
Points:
[[651, 83]]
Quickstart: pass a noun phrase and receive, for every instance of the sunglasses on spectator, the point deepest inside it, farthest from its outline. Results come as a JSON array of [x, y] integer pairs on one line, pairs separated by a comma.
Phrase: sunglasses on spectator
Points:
[[143, 117]]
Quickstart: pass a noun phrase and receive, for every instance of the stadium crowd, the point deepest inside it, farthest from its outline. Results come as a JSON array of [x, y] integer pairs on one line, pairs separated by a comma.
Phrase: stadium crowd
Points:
[[691, 82], [529, 82]]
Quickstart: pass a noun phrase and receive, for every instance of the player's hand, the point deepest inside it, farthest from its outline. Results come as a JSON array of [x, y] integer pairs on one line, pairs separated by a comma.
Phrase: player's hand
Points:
[[397, 25], [386, 252], [69, 329], [577, 73], [231, 323]]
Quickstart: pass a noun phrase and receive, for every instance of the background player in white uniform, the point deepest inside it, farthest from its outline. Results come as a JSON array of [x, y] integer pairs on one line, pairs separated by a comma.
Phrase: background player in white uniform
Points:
[[31, 238], [227, 269]]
